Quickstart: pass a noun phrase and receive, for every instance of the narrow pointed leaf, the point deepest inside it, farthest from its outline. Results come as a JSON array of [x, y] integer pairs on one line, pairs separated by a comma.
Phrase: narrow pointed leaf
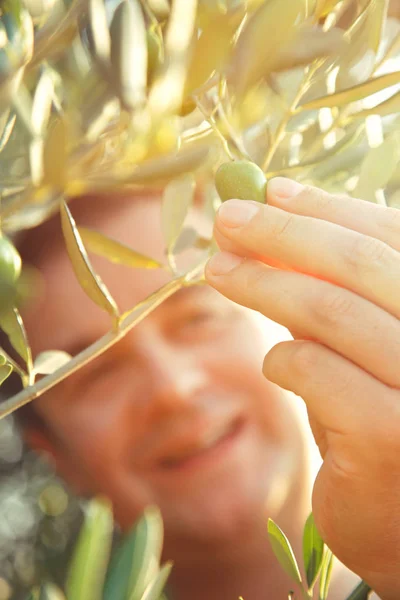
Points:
[[129, 52], [283, 551], [177, 198], [7, 131], [149, 540], [361, 592], [161, 170], [118, 253], [326, 574], [268, 31], [88, 566], [313, 551], [136, 560], [49, 591], [388, 107], [167, 90], [5, 372], [353, 94], [99, 29], [156, 587], [378, 167], [11, 323], [42, 102], [55, 156], [88, 279], [49, 361]]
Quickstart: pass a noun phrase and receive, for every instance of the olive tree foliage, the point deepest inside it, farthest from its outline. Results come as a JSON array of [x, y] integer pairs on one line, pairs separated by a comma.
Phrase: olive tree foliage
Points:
[[190, 96]]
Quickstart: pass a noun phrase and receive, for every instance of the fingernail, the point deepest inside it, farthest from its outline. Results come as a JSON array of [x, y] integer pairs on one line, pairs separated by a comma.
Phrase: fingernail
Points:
[[222, 263], [234, 213], [284, 188]]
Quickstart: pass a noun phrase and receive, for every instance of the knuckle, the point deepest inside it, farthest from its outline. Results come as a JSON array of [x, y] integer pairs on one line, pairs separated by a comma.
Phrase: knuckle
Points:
[[333, 307], [285, 226], [389, 219], [366, 254]]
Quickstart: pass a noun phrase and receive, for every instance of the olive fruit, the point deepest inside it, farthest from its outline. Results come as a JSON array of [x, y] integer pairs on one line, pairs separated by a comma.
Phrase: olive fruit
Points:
[[242, 180], [10, 261]]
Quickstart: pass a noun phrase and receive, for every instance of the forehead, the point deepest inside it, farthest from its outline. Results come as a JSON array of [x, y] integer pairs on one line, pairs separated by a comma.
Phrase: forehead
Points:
[[64, 309]]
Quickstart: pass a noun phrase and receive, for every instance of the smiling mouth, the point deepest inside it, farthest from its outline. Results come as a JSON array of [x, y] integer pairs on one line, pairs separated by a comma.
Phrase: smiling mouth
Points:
[[217, 440]]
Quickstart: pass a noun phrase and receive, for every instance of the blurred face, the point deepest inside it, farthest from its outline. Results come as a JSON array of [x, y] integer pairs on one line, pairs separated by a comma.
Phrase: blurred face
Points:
[[178, 413]]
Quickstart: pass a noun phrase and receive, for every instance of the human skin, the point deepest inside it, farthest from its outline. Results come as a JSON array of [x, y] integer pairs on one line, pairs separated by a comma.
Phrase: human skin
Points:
[[337, 290], [193, 366]]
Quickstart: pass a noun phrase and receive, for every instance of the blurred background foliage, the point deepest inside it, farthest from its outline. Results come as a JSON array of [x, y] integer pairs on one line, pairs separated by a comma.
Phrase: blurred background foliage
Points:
[[103, 97]]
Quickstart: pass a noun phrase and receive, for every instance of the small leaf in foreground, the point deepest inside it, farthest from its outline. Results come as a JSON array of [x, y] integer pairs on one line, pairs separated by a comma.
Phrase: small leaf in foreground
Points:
[[283, 551], [49, 361], [88, 279], [326, 574], [313, 551], [114, 251]]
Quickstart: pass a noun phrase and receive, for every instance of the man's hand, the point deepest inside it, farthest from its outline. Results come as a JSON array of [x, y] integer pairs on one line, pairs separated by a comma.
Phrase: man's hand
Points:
[[336, 286]]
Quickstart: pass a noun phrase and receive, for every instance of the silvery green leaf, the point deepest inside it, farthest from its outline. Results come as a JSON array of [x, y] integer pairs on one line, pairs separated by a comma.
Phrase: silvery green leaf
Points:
[[7, 130], [283, 551], [129, 53], [355, 93], [177, 199], [167, 90], [361, 592], [49, 361], [156, 587], [114, 251], [378, 167], [313, 551], [326, 574], [267, 32], [5, 372], [88, 279], [49, 591], [12, 324], [90, 558], [99, 30]]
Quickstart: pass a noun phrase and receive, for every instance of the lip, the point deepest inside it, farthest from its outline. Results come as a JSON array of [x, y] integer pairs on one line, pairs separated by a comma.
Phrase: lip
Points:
[[206, 456]]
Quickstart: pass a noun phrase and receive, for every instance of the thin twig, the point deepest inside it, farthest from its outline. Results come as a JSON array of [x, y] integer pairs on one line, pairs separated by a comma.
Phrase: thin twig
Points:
[[127, 322]]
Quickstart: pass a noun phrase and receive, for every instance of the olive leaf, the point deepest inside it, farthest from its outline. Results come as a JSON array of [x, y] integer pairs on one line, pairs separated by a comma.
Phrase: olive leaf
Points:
[[167, 90], [49, 361], [12, 324], [7, 130], [267, 32], [88, 279], [211, 51], [283, 551], [353, 94], [378, 167], [177, 198], [87, 570], [313, 551], [49, 591], [41, 111], [326, 574], [310, 42], [161, 170], [99, 30], [5, 372], [385, 108], [118, 253], [361, 592], [155, 588], [136, 561], [55, 156], [129, 53], [357, 62], [324, 7]]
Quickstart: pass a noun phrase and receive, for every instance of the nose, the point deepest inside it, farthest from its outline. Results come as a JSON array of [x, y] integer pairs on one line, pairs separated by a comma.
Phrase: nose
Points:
[[175, 374]]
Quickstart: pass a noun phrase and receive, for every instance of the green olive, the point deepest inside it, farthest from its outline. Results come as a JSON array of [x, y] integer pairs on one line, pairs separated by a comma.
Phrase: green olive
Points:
[[154, 53], [242, 180], [10, 261]]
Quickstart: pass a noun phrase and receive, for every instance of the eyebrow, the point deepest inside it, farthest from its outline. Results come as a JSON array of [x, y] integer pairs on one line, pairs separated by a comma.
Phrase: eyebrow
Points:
[[181, 295]]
